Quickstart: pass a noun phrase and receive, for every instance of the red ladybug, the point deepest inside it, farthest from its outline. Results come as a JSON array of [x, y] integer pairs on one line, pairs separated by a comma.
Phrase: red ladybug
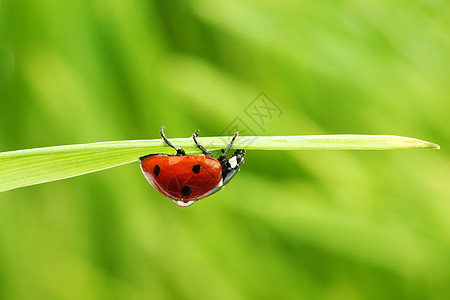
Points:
[[188, 178]]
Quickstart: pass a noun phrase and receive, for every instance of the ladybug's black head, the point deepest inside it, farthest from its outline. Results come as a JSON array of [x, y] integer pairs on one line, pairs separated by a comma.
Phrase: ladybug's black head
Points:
[[230, 166]]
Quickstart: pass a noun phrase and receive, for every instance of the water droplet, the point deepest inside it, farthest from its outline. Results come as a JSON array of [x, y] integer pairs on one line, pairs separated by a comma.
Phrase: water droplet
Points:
[[183, 203]]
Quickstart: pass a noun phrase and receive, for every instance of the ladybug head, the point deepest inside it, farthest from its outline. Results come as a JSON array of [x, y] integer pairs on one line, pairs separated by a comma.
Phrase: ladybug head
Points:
[[230, 166]]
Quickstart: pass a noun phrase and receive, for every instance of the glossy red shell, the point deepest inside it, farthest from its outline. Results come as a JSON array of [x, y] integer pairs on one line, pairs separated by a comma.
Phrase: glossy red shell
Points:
[[183, 178]]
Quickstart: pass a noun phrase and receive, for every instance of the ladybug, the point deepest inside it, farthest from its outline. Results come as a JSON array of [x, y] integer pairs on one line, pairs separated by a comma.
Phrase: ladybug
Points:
[[188, 178]]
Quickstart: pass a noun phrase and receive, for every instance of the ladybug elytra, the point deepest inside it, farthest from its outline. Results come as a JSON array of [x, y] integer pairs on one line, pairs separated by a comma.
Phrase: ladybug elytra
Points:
[[188, 178]]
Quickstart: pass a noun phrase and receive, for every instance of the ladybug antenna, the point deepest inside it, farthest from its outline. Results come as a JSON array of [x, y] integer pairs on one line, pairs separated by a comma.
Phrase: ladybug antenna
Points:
[[195, 136], [179, 150], [231, 143]]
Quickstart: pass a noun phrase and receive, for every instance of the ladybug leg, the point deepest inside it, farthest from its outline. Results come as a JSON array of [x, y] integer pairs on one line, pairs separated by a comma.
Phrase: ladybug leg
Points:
[[180, 151], [195, 136], [223, 157], [231, 143]]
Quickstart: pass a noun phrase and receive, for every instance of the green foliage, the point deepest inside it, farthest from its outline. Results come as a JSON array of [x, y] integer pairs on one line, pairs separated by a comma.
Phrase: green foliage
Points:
[[292, 224], [32, 166]]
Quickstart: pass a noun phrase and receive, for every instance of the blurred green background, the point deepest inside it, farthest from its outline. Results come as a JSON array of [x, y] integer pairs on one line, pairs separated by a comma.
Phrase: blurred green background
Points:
[[291, 225]]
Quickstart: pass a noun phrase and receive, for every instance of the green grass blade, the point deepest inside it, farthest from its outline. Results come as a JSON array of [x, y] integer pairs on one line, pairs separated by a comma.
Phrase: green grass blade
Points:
[[33, 166]]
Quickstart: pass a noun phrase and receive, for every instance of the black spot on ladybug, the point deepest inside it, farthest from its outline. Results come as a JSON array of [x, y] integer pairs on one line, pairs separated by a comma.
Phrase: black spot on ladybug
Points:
[[186, 191], [156, 170], [196, 169]]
